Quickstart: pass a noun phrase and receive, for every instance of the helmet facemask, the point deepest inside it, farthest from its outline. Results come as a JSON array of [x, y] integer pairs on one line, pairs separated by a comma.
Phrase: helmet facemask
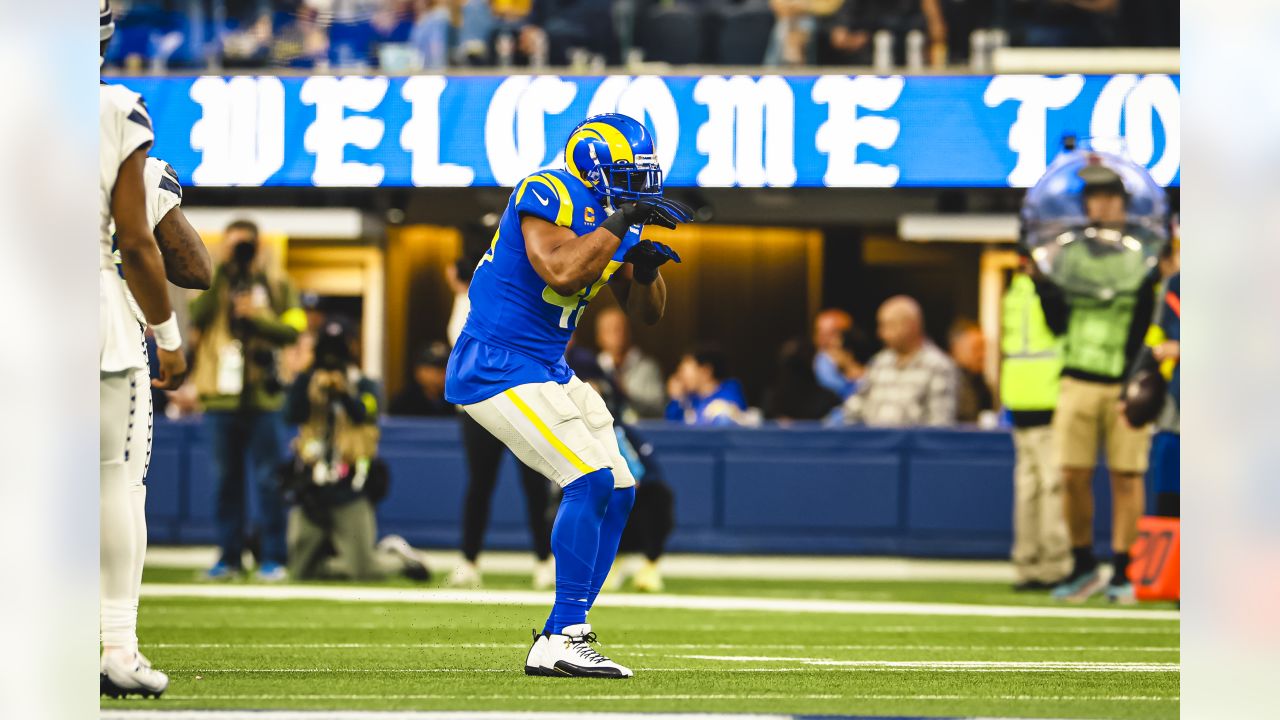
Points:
[[625, 181]]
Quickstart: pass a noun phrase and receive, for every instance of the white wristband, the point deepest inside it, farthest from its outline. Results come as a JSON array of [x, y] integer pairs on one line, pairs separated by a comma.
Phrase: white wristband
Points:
[[168, 336]]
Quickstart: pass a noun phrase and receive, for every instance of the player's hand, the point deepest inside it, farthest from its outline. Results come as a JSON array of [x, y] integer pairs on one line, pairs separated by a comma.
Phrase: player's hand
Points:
[[660, 211], [173, 369], [646, 257]]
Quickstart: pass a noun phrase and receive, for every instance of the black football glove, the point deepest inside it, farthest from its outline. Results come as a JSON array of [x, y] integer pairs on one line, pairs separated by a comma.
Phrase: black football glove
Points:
[[660, 211], [646, 257]]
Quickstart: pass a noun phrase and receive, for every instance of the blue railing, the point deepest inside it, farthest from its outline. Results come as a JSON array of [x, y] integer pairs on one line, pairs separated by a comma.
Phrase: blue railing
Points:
[[800, 489]]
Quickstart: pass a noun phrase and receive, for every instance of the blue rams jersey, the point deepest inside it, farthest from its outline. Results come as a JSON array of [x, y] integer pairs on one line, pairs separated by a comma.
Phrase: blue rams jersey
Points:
[[518, 327]]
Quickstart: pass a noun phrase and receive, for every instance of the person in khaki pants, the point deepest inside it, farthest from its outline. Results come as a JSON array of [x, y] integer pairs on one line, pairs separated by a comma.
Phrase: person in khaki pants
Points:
[[1102, 331], [1031, 360]]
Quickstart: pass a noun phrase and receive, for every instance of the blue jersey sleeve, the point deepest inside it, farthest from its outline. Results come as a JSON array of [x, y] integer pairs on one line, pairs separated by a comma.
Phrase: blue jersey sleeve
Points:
[[545, 196]]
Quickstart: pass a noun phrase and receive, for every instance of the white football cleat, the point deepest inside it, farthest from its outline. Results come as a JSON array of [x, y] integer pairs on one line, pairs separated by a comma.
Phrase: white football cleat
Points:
[[124, 674], [544, 575], [570, 654], [533, 664], [466, 575]]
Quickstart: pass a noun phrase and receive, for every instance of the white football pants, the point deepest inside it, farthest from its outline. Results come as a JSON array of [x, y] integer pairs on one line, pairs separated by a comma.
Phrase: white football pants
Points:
[[124, 451], [562, 431]]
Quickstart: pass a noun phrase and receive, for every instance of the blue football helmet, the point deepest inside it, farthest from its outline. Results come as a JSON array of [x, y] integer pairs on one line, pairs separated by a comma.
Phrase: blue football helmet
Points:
[[614, 156]]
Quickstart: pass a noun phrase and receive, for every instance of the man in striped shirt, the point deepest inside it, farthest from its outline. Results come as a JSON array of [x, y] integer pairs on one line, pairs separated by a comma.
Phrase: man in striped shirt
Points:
[[909, 382]]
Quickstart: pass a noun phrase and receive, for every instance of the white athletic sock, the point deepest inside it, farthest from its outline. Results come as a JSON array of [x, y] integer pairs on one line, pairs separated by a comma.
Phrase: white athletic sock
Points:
[[119, 605]]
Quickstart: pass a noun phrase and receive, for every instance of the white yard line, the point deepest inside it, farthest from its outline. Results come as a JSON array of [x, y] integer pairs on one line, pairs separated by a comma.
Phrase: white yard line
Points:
[[672, 646], [749, 567], [950, 665], [680, 602], [809, 665], [669, 716]]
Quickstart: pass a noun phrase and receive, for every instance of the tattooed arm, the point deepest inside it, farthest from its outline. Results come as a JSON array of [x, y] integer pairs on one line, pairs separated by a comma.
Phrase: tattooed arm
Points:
[[186, 261]]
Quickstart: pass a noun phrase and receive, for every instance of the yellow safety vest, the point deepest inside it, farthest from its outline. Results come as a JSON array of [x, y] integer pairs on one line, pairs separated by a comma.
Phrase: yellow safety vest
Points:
[[1031, 354]]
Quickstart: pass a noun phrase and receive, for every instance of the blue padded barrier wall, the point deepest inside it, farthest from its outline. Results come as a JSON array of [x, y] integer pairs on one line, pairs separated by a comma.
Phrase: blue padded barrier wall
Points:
[[797, 489]]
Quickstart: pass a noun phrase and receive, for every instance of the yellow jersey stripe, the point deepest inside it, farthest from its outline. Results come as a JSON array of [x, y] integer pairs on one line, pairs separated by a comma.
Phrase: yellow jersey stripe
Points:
[[564, 218], [546, 432]]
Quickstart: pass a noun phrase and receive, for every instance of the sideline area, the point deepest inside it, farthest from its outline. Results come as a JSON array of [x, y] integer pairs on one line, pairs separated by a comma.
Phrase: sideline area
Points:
[[743, 567]]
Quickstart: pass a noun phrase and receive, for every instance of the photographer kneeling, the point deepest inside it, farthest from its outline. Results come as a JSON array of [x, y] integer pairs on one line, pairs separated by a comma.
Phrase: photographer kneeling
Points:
[[334, 480]]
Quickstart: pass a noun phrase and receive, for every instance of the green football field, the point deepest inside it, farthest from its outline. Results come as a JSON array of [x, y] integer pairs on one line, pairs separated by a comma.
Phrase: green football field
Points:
[[882, 648]]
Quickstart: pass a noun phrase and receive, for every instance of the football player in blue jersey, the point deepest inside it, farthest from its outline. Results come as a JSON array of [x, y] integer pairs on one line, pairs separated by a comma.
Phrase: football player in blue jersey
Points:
[[566, 234]]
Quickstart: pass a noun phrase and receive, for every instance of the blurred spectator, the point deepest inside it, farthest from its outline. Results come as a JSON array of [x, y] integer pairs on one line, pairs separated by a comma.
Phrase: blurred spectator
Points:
[[431, 29], [247, 37], [1031, 360], [300, 39], [1163, 355], [1165, 341], [794, 23], [796, 394], [909, 382], [485, 453], [1102, 336], [835, 363], [702, 393], [557, 27], [652, 518], [855, 24], [1068, 23], [334, 479], [425, 397], [636, 375], [244, 318], [969, 352], [962, 17]]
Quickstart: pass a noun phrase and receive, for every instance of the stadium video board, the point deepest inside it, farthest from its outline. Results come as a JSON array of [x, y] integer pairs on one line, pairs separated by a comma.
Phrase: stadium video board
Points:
[[711, 131]]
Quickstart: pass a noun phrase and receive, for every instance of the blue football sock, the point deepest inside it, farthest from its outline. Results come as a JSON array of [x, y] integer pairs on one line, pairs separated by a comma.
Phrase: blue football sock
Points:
[[615, 521], [575, 541]]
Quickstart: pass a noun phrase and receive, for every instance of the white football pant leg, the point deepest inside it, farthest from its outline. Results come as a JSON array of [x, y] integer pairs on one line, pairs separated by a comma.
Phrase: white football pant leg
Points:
[[119, 610], [137, 462], [600, 422], [544, 429]]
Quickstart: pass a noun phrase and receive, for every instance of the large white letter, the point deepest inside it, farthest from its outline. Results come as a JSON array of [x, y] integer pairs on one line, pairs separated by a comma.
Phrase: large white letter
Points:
[[421, 135], [1037, 94], [1141, 102], [843, 131], [240, 133], [523, 102], [749, 135], [331, 133], [636, 98]]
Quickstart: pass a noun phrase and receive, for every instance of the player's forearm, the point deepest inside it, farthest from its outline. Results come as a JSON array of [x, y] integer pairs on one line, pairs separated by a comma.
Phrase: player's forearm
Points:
[[145, 277], [647, 303], [577, 263]]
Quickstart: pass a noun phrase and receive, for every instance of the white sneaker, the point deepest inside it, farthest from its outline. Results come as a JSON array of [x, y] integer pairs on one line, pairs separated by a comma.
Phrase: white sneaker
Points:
[[544, 575], [533, 664], [414, 567], [124, 674], [570, 655], [466, 575], [647, 578]]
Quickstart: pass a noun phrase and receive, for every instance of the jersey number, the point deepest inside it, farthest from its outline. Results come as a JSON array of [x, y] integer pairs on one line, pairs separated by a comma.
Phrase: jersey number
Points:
[[571, 305]]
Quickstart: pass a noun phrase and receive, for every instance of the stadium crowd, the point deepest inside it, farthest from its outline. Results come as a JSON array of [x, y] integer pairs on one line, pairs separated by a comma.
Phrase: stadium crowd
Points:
[[270, 366], [412, 35]]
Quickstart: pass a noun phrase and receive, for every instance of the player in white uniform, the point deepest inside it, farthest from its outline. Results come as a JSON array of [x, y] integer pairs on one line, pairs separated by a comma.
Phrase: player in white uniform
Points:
[[125, 135]]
